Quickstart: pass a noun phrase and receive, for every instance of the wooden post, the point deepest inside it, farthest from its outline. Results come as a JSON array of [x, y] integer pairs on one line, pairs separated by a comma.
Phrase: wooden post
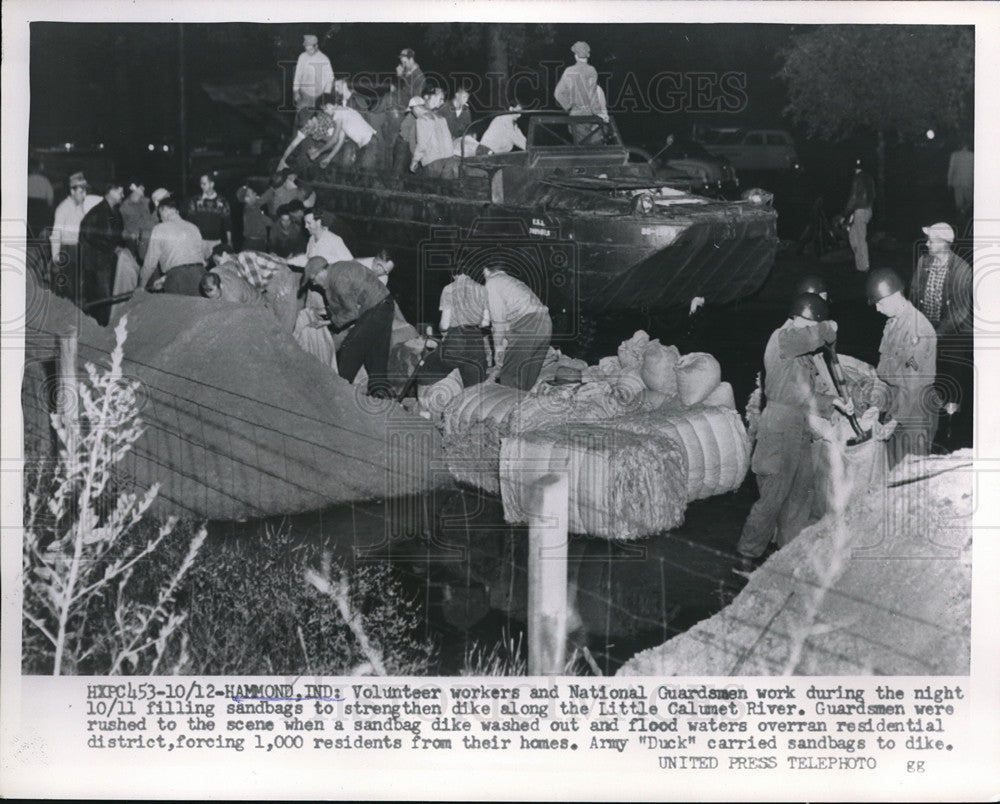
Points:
[[67, 400], [547, 550]]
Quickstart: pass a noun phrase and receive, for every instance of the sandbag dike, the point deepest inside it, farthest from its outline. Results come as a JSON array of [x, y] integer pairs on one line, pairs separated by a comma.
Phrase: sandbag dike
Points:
[[898, 601], [239, 421]]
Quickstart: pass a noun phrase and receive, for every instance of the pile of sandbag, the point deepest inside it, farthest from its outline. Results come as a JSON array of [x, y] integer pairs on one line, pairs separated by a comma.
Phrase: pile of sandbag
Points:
[[500, 439], [622, 485]]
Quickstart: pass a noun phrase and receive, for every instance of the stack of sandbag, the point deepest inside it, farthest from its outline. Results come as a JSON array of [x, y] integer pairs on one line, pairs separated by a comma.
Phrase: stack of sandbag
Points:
[[622, 485], [472, 427], [714, 441], [647, 389]]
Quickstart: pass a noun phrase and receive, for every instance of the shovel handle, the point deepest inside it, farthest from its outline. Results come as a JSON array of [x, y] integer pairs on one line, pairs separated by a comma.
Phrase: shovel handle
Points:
[[837, 375]]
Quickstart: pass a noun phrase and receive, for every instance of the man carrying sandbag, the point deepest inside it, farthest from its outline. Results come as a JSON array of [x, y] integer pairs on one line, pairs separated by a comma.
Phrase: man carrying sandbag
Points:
[[782, 458]]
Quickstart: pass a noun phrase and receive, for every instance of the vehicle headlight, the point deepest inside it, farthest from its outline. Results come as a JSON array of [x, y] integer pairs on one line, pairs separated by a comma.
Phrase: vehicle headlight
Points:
[[643, 204]]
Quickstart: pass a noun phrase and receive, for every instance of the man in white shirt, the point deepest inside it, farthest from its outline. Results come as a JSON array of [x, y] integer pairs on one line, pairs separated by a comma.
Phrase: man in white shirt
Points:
[[434, 148], [322, 242], [313, 77], [176, 251], [503, 134], [66, 235]]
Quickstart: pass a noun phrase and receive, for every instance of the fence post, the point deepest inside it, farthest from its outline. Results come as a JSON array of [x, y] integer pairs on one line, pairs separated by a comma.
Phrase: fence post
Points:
[[548, 523], [67, 401]]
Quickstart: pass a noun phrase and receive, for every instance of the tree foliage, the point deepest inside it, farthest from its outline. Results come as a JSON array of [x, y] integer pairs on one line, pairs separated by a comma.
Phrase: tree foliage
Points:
[[503, 44], [847, 79]]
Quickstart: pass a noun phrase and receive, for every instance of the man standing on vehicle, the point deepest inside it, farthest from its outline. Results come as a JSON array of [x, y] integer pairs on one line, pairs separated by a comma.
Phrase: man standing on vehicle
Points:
[[858, 212], [313, 78], [579, 94]]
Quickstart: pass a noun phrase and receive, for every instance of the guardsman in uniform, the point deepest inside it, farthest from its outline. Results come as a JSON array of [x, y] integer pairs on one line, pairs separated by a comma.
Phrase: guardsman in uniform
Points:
[[783, 456], [907, 365]]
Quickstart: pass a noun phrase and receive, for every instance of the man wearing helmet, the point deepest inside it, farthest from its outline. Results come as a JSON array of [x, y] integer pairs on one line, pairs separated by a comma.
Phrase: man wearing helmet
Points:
[[782, 458], [907, 365]]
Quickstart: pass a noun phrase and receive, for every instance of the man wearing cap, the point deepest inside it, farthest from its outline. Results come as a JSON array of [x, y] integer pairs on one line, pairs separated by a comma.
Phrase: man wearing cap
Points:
[[783, 459], [907, 365], [66, 235], [579, 94], [101, 239], [313, 77], [356, 298], [858, 211], [942, 290]]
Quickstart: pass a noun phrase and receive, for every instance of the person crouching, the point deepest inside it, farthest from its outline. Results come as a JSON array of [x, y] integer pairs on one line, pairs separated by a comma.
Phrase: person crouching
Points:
[[356, 298]]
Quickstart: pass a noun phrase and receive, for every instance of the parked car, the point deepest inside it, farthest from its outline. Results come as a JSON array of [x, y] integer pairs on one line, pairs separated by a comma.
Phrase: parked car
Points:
[[708, 173], [753, 148]]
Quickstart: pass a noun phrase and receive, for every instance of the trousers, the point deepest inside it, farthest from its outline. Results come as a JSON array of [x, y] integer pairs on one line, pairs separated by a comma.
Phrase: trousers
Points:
[[527, 344], [367, 344], [858, 238], [783, 465]]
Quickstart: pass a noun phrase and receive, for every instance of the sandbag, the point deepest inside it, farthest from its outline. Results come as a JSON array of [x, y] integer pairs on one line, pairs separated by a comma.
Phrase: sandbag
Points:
[[484, 402], [698, 374], [622, 485], [473, 455], [714, 441], [658, 366], [587, 402], [722, 396], [630, 352], [238, 421], [435, 398]]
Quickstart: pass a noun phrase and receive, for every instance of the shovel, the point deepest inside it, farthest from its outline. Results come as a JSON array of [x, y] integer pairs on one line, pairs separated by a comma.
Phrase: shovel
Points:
[[837, 375]]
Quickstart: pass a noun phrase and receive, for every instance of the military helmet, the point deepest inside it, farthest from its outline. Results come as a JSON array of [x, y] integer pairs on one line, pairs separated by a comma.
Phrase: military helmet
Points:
[[810, 306], [882, 282], [811, 283]]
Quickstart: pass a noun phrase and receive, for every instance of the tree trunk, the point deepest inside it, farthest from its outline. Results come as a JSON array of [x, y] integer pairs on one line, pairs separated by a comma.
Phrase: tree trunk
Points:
[[497, 64], [880, 200]]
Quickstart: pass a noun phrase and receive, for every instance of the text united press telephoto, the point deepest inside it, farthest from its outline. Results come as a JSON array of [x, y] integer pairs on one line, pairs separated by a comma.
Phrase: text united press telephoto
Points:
[[363, 354]]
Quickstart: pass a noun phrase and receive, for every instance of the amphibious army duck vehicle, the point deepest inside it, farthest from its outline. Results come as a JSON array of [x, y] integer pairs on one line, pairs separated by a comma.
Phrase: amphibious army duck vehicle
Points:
[[593, 231]]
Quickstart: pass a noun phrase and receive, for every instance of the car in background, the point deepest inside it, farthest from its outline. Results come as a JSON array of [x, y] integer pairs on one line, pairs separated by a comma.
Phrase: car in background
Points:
[[752, 149], [708, 173]]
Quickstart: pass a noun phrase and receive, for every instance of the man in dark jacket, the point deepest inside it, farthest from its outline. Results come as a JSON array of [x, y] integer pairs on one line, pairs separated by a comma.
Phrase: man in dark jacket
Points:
[[101, 239], [858, 211], [356, 298], [942, 290]]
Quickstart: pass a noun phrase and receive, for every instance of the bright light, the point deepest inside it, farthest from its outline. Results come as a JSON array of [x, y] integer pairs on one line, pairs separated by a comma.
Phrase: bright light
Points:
[[166, 148], [100, 146], [68, 146], [930, 133], [151, 147]]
